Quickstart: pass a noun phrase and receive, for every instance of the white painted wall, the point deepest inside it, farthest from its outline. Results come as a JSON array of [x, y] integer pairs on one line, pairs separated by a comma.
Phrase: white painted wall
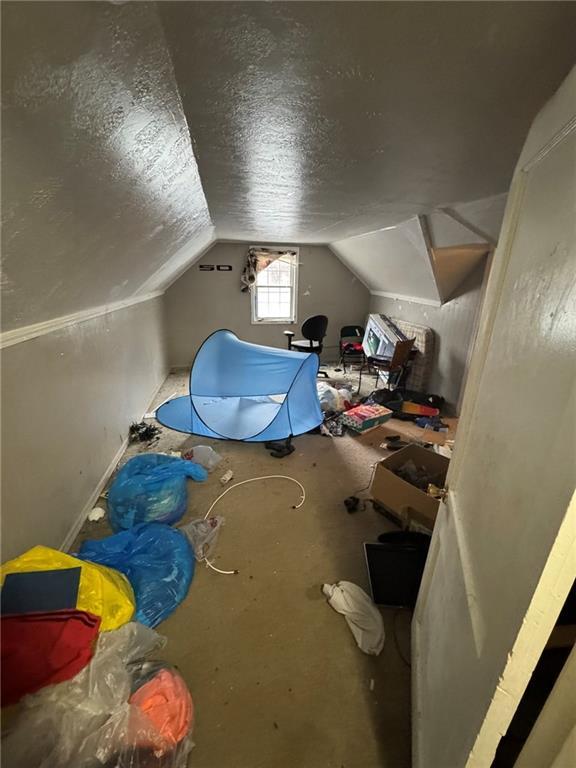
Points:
[[199, 303], [453, 324], [68, 398], [503, 557]]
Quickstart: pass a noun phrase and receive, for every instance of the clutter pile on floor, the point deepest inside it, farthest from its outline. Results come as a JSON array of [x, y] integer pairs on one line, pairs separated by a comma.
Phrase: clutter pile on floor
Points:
[[342, 410], [79, 645], [77, 630], [406, 487]]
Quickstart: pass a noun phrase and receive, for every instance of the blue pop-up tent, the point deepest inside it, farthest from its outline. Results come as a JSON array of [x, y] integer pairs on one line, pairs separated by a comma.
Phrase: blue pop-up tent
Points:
[[242, 391]]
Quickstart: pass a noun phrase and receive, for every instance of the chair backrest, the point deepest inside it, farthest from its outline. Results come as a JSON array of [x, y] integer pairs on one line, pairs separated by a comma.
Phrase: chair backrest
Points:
[[351, 332], [401, 353], [314, 328]]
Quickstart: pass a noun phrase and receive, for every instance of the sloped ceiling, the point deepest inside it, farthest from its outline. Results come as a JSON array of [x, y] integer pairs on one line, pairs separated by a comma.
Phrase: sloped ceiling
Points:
[[392, 261], [404, 262], [100, 184], [453, 265], [318, 121], [136, 133], [478, 221]]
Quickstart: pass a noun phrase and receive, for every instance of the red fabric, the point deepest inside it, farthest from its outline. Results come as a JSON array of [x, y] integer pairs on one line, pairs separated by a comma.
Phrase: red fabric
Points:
[[41, 649]]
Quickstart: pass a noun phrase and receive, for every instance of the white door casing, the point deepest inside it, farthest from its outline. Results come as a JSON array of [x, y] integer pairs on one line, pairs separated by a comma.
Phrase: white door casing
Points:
[[551, 741], [503, 554]]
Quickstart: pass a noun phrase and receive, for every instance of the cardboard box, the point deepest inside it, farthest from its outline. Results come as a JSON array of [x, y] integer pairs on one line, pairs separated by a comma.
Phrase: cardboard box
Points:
[[365, 417], [405, 501]]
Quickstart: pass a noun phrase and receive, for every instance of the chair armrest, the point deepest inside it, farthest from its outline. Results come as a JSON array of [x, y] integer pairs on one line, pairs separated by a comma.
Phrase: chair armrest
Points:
[[289, 335]]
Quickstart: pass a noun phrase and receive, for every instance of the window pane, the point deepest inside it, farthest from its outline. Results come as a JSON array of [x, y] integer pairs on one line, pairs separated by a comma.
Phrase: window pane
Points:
[[278, 273], [274, 290], [273, 302]]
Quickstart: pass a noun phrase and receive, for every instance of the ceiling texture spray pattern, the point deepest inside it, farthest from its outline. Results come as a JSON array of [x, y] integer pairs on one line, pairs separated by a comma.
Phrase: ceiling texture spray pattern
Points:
[[100, 183], [134, 134], [317, 121]]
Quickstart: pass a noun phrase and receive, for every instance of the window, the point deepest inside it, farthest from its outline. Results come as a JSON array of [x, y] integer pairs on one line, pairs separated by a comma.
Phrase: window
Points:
[[275, 288]]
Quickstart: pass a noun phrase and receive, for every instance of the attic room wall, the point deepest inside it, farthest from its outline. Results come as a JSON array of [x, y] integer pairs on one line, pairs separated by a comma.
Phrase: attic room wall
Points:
[[102, 201], [199, 303], [68, 398], [454, 325]]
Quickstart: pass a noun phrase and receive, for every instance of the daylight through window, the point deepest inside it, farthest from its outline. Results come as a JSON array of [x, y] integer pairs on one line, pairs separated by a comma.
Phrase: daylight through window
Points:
[[274, 292]]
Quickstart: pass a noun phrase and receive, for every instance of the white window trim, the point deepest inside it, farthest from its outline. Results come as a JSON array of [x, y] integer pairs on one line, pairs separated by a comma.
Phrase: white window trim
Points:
[[280, 321]]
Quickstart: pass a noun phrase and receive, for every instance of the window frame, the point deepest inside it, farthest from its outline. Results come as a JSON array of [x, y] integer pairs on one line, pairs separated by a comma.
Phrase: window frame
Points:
[[293, 319]]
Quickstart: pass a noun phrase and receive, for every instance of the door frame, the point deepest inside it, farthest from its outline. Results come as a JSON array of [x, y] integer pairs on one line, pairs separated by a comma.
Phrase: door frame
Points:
[[560, 570]]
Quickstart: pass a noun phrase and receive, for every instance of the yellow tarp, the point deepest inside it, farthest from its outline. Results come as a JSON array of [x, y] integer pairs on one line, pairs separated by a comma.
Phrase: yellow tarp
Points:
[[103, 591]]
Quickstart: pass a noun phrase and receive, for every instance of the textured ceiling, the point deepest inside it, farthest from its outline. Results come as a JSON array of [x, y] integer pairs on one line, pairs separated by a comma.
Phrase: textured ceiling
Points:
[[134, 133], [316, 121], [100, 186]]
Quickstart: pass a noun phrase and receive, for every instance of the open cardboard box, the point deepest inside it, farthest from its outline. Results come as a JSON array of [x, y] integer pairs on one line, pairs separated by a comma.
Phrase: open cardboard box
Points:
[[403, 500]]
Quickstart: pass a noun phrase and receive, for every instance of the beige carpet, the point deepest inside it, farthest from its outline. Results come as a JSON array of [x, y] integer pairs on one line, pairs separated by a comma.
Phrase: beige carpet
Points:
[[276, 677]]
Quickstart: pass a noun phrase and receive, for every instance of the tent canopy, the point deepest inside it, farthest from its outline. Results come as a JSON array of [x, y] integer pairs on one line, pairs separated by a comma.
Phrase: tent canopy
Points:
[[243, 391]]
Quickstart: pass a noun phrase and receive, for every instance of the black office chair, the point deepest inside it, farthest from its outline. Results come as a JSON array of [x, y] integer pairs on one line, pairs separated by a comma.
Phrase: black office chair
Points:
[[314, 332], [351, 351]]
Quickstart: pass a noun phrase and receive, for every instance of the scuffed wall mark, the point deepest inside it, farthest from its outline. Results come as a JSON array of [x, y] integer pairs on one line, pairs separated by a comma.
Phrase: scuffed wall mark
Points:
[[550, 319], [5, 283]]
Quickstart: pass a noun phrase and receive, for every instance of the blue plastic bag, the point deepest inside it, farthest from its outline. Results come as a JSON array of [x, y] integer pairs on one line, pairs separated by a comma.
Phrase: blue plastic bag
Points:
[[158, 561], [151, 488]]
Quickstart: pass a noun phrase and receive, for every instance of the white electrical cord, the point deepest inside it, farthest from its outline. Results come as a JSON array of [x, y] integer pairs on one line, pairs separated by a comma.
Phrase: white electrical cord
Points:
[[243, 482]]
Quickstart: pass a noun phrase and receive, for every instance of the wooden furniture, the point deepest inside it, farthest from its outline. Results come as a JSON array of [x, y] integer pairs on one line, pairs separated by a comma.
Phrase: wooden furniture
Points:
[[394, 367]]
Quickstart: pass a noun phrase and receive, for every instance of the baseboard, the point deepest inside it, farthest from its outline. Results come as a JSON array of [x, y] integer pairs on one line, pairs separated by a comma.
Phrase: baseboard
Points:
[[94, 496], [101, 485]]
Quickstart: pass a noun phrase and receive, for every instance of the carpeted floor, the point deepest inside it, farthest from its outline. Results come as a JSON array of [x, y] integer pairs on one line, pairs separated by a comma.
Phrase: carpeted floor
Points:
[[276, 677]]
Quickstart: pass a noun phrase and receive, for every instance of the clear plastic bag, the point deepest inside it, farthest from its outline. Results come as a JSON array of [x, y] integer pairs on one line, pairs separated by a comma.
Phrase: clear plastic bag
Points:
[[71, 725], [158, 562], [206, 456], [155, 727], [151, 488], [203, 535]]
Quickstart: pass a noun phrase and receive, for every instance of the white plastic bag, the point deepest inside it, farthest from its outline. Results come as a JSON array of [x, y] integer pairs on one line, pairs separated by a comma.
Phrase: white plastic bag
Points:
[[345, 397], [329, 397], [332, 400]]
